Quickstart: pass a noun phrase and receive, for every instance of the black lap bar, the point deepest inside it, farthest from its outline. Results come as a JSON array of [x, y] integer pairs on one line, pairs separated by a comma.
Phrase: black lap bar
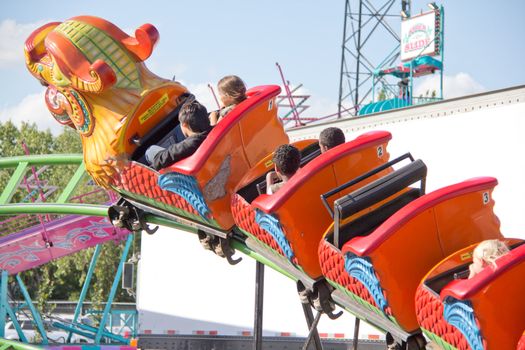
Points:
[[380, 189]]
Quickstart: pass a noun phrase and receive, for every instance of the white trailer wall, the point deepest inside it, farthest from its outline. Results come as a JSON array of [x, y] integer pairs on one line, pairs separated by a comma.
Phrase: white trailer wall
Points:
[[184, 288]]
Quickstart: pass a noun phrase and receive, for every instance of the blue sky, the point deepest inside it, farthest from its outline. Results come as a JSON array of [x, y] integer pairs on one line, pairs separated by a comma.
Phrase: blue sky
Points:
[[201, 41]]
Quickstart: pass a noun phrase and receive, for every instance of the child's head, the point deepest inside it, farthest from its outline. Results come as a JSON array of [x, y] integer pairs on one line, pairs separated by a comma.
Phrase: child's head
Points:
[[194, 117], [231, 90], [488, 251], [331, 137], [287, 160]]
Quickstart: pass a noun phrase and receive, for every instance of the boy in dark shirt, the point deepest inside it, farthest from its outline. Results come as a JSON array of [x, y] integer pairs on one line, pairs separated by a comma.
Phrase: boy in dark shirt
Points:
[[331, 137], [287, 160], [195, 125]]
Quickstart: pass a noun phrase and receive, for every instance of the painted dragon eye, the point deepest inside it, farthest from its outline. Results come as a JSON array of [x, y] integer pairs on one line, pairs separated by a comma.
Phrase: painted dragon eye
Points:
[[68, 107], [58, 105]]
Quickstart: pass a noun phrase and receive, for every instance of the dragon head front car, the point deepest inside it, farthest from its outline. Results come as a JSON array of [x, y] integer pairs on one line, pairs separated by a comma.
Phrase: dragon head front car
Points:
[[97, 83]]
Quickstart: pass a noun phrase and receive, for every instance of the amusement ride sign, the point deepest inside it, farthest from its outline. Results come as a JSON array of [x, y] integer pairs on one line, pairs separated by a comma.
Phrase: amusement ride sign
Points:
[[420, 35]]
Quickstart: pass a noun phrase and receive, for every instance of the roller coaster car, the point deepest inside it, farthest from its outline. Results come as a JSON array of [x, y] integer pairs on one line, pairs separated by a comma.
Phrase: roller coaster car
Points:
[[521, 344], [291, 221], [98, 84], [379, 258], [484, 312], [199, 187]]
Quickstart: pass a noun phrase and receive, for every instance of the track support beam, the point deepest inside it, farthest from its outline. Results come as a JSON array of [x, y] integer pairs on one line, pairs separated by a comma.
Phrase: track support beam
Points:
[[258, 312]]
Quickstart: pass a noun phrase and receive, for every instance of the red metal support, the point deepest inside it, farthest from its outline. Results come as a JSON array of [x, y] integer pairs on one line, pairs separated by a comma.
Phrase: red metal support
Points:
[[289, 95]]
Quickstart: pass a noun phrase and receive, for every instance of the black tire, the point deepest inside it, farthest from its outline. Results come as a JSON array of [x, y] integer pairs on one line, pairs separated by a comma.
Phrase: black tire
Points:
[[391, 343], [205, 240], [416, 342]]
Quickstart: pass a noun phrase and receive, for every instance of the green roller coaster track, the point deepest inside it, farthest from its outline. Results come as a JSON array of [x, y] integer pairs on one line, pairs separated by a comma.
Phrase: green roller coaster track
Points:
[[62, 205], [14, 345]]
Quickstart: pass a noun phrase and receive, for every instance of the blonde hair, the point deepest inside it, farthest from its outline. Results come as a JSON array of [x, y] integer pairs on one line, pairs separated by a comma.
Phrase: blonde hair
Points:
[[490, 250], [232, 86]]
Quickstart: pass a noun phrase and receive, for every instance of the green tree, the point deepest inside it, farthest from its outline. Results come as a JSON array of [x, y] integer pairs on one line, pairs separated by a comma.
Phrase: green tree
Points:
[[383, 95], [61, 279]]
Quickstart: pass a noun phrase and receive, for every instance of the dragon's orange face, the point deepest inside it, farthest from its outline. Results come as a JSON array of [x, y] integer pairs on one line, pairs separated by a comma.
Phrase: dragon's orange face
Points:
[[95, 78]]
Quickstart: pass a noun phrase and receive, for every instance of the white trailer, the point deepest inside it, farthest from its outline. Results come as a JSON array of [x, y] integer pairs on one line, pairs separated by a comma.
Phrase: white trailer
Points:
[[461, 138], [183, 289]]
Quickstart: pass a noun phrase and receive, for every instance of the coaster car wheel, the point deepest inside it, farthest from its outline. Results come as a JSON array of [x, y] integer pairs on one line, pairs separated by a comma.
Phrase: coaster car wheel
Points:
[[220, 246], [319, 297], [125, 215], [414, 342]]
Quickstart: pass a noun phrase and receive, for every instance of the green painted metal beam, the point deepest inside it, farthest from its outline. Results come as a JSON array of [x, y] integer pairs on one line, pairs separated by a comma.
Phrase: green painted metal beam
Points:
[[42, 159], [100, 210], [254, 255], [85, 287], [10, 344], [53, 208], [81, 209], [16, 324], [113, 290], [3, 301], [72, 184], [158, 220], [37, 319], [21, 163], [13, 183]]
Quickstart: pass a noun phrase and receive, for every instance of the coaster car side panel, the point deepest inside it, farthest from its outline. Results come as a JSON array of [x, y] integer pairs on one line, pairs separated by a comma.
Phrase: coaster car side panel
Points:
[[333, 267], [300, 216], [521, 344], [439, 326], [495, 299], [256, 118], [364, 210], [140, 183], [248, 220], [247, 134], [408, 244]]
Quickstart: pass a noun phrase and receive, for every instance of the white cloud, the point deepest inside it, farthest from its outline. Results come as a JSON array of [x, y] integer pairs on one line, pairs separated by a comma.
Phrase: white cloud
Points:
[[203, 94], [13, 36], [166, 70], [318, 106], [457, 85], [31, 109]]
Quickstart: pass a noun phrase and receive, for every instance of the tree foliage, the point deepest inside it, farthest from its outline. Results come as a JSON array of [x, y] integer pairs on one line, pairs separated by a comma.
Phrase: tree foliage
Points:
[[61, 279], [382, 95]]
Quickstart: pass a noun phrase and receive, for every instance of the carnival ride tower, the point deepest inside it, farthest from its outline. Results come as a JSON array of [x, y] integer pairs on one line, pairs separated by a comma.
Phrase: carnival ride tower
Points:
[[371, 82]]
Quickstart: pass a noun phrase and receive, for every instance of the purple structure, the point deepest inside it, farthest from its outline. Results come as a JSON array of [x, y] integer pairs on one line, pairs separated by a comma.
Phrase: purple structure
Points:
[[27, 249]]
